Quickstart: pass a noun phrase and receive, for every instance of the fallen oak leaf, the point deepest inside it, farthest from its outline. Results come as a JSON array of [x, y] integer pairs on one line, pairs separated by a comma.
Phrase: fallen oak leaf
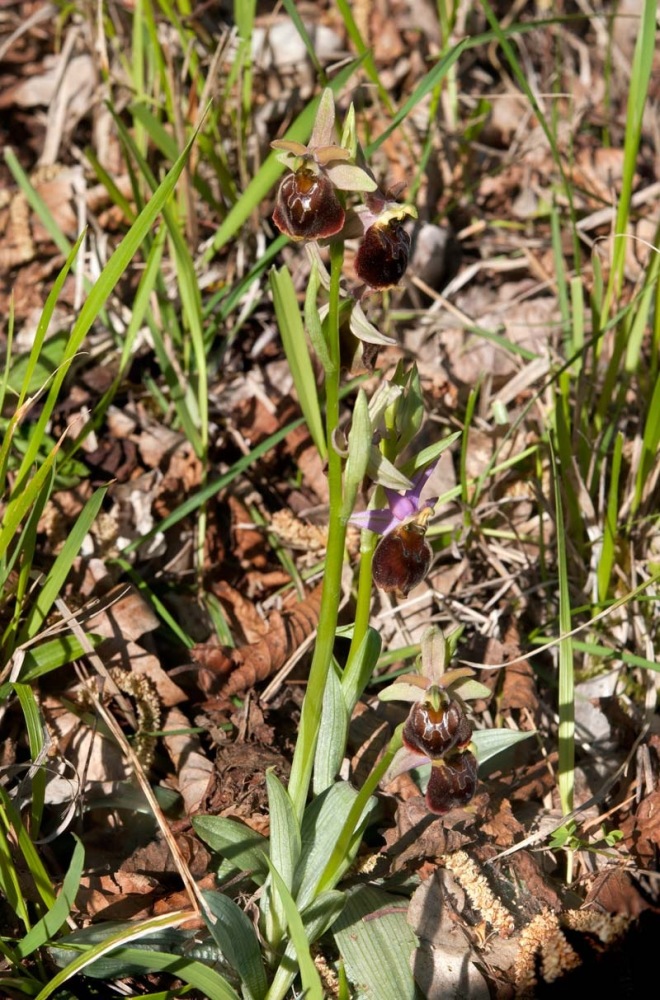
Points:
[[246, 666]]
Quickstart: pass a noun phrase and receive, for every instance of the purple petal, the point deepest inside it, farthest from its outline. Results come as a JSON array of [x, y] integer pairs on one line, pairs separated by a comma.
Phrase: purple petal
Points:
[[408, 504], [402, 506], [380, 521], [422, 478]]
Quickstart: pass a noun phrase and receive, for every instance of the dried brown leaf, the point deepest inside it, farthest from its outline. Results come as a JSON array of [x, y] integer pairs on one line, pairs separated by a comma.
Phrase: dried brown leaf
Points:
[[257, 661], [125, 614], [442, 965], [193, 769]]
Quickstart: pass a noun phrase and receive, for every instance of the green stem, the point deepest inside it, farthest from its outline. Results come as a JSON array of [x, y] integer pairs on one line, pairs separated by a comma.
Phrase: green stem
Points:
[[341, 851], [368, 542], [303, 758]]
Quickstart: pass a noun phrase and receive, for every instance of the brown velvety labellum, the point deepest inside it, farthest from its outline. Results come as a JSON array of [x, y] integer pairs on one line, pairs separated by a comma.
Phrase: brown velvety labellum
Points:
[[382, 256], [402, 559], [453, 782], [308, 207], [435, 731]]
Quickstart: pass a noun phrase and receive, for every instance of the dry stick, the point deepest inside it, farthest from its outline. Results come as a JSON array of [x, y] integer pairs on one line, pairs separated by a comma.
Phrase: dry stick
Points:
[[271, 690], [197, 900], [566, 635], [603, 215], [535, 838]]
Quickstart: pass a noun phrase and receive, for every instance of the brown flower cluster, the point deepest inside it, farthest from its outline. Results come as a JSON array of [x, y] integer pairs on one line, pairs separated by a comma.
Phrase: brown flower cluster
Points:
[[438, 729], [310, 202]]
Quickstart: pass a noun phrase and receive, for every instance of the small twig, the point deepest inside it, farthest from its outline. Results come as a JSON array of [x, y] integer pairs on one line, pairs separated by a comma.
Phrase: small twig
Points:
[[536, 838], [196, 898], [565, 635]]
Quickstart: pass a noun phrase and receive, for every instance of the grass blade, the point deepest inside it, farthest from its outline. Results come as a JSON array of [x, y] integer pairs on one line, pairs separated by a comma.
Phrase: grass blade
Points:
[[46, 929]]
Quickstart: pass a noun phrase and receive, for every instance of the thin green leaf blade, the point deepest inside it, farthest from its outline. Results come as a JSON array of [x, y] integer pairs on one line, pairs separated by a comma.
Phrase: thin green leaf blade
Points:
[[46, 928], [60, 569], [295, 347]]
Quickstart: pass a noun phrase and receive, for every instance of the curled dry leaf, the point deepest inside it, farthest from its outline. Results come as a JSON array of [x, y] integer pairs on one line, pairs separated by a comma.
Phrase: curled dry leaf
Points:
[[247, 665], [617, 892], [241, 612], [519, 689]]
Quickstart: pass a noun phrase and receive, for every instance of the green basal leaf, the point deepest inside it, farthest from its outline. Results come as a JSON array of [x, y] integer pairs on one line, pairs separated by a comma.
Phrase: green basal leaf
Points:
[[173, 941], [236, 842], [284, 854], [322, 823], [98, 942], [489, 742], [285, 842], [308, 972], [332, 735], [376, 944], [322, 913], [317, 918], [236, 937]]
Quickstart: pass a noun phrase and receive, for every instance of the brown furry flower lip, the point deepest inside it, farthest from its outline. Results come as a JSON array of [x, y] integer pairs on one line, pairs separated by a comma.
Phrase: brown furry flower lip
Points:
[[308, 207]]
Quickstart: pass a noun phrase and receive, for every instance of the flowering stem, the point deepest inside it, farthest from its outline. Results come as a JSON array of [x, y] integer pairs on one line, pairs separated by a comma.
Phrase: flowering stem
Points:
[[310, 719], [368, 541], [341, 854]]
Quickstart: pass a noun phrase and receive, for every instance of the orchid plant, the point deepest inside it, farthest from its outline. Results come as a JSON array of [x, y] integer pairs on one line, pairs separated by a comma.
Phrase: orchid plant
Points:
[[327, 196]]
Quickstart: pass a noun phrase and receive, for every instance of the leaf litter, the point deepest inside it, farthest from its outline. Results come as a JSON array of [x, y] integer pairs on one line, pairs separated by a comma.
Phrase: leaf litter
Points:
[[489, 885]]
